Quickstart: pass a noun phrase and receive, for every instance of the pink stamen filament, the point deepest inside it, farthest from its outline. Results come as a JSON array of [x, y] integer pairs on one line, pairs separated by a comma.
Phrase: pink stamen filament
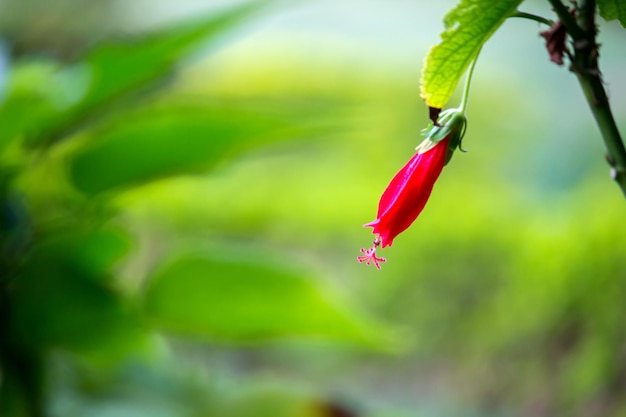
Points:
[[369, 255]]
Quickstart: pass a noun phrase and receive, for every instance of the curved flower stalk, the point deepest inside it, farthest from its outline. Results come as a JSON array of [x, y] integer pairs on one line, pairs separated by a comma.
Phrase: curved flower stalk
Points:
[[407, 193]]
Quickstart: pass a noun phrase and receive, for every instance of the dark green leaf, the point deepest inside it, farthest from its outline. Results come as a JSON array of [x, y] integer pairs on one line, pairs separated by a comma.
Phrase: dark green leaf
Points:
[[613, 9], [63, 297], [467, 27], [38, 94], [47, 103], [169, 141], [246, 297], [117, 69]]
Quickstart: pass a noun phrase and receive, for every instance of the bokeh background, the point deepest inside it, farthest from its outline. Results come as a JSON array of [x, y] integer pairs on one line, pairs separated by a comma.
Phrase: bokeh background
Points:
[[183, 188]]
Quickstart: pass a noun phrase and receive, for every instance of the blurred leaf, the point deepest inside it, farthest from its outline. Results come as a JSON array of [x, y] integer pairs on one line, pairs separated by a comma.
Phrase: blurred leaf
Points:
[[120, 68], [249, 298], [63, 99], [467, 27], [95, 253], [38, 92], [63, 297], [170, 141], [613, 9], [271, 401]]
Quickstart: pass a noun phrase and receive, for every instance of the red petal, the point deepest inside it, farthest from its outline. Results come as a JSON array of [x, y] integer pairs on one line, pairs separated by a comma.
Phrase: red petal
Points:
[[407, 193]]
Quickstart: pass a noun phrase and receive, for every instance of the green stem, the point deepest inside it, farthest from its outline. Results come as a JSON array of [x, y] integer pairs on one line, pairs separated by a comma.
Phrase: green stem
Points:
[[534, 17], [582, 30], [468, 80], [587, 16]]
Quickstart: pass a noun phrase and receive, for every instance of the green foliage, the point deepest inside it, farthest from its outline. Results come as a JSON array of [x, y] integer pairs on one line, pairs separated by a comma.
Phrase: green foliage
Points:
[[109, 74], [170, 245], [467, 27], [170, 140], [243, 296], [613, 9], [71, 132], [79, 264]]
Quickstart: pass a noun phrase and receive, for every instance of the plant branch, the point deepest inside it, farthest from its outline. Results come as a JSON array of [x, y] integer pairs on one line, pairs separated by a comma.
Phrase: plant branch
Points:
[[584, 63], [587, 16], [575, 31]]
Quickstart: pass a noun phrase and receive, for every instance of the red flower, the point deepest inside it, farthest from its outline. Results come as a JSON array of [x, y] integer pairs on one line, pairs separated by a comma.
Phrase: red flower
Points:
[[407, 194]]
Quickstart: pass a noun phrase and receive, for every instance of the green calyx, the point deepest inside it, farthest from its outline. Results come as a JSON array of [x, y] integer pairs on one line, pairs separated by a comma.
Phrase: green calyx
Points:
[[450, 124]]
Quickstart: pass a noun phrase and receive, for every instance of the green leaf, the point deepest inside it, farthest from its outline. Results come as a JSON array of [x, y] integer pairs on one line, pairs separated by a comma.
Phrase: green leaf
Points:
[[63, 297], [59, 101], [120, 68], [467, 27], [613, 9], [169, 141], [248, 297], [36, 96]]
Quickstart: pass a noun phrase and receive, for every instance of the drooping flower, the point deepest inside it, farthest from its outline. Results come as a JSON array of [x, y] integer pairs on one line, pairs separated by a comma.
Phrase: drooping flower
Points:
[[407, 193]]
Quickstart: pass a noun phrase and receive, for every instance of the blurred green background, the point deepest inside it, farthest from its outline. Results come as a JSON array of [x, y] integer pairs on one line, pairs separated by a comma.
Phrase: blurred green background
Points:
[[183, 185]]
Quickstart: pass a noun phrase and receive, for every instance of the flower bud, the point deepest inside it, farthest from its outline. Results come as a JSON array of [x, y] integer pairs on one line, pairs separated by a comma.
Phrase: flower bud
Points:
[[407, 193]]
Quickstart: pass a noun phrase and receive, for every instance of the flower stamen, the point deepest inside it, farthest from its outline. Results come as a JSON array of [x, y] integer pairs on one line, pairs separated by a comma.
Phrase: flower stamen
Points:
[[369, 255]]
